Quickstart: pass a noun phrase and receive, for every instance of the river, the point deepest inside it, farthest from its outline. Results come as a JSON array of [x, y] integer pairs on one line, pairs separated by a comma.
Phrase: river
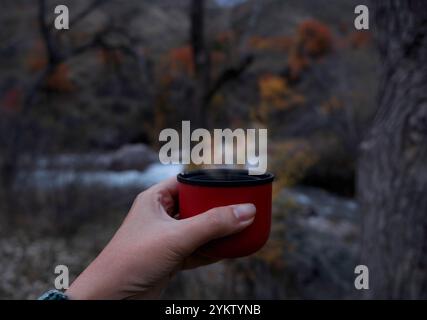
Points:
[[54, 178]]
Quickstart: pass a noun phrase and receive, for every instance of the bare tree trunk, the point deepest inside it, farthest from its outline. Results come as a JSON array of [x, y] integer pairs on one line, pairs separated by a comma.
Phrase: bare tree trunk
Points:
[[392, 173], [202, 65], [205, 86]]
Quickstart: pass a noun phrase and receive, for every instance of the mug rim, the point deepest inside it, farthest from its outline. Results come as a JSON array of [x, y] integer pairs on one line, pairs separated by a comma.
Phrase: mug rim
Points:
[[241, 178]]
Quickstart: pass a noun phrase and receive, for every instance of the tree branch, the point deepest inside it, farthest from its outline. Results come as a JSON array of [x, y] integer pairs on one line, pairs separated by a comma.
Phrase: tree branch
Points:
[[197, 35], [229, 74], [99, 41], [252, 23], [53, 54], [87, 11]]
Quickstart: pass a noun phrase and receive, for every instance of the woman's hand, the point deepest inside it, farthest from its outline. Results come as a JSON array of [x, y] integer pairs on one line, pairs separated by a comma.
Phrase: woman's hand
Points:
[[151, 245]]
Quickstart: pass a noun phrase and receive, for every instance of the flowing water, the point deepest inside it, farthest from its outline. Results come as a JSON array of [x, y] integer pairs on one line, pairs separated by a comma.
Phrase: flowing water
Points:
[[57, 178]]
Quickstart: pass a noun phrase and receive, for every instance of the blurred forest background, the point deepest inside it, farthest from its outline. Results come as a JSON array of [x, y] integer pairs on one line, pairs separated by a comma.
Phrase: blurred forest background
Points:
[[81, 110]]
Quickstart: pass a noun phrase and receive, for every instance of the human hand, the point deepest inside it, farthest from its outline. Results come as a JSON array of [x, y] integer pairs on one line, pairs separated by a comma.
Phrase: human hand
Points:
[[151, 245]]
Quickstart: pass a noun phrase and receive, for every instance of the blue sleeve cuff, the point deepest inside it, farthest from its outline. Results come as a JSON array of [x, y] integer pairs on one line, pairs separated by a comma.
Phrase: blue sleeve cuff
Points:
[[53, 295]]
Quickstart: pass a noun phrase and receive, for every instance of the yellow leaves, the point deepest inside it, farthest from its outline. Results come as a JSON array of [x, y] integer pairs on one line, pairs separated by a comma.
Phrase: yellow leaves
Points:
[[259, 43], [271, 87], [275, 94], [218, 100], [290, 161], [277, 43]]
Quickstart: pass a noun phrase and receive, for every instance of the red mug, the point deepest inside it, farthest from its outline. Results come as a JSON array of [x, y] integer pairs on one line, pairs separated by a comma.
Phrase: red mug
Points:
[[202, 190]]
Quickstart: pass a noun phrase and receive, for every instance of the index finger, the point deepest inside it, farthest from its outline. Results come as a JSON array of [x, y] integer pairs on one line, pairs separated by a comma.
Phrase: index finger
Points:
[[169, 185]]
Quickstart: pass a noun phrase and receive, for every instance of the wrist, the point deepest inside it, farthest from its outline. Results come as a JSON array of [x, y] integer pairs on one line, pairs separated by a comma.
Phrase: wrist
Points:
[[99, 281]]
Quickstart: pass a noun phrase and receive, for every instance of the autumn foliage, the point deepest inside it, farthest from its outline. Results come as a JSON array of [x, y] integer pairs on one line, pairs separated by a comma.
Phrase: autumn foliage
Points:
[[331, 105], [313, 41], [11, 100], [37, 58], [310, 42], [181, 60], [59, 79], [359, 39], [275, 94], [291, 160], [224, 39], [110, 57], [273, 90], [276, 43], [315, 38]]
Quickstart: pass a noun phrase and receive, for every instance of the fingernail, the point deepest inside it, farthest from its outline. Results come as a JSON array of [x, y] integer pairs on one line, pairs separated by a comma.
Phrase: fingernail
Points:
[[244, 212]]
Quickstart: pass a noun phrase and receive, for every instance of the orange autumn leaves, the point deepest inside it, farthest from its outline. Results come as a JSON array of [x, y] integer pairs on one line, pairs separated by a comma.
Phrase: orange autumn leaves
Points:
[[58, 79], [315, 38], [275, 43], [311, 41], [276, 93], [37, 57], [11, 100], [181, 60]]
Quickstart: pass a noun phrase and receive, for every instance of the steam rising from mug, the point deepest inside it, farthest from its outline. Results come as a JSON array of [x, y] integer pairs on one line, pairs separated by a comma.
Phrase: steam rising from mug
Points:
[[226, 147]]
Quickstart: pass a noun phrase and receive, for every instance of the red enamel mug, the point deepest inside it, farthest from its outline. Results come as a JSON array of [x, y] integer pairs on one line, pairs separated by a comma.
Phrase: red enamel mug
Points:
[[201, 190]]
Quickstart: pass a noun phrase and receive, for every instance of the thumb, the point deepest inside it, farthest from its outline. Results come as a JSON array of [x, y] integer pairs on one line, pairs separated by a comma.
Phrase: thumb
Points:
[[216, 223]]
